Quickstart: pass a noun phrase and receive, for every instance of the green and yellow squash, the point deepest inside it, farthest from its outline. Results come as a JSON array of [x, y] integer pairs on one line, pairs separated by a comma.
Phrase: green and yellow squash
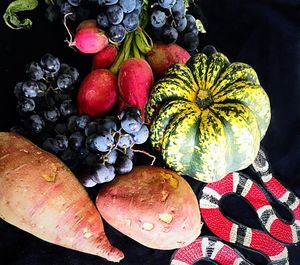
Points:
[[208, 117]]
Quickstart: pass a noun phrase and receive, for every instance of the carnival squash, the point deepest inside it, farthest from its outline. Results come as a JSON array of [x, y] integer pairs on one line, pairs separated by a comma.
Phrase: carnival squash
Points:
[[208, 116]]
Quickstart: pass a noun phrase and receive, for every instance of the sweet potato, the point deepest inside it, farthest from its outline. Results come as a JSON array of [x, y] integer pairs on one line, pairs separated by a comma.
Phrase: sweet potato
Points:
[[153, 206], [162, 56], [40, 195]]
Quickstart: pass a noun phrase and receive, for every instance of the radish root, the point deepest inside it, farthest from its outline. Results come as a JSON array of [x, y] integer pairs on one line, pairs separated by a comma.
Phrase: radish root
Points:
[[70, 41]]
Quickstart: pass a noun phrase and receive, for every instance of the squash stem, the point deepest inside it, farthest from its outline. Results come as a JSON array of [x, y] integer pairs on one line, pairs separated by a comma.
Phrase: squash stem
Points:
[[204, 98]]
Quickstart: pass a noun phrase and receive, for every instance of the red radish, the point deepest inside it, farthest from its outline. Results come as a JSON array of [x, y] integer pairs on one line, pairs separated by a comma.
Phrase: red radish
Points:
[[88, 23], [98, 93], [105, 58], [40, 195], [121, 104], [135, 81], [90, 40], [162, 56]]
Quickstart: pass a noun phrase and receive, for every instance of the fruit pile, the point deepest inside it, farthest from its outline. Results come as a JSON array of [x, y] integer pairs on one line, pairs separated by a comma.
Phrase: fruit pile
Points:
[[112, 147], [100, 147], [167, 21], [92, 123], [204, 115]]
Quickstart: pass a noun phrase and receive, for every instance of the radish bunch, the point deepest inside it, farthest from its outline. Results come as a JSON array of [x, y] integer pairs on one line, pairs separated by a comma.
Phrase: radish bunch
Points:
[[121, 74], [103, 87]]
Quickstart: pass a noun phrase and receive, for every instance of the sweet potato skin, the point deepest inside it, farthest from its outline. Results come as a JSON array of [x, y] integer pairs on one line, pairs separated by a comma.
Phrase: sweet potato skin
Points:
[[153, 206], [162, 56], [40, 195]]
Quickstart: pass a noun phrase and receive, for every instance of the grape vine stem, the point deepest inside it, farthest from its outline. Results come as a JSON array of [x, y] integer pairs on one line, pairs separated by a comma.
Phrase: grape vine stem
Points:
[[145, 153]]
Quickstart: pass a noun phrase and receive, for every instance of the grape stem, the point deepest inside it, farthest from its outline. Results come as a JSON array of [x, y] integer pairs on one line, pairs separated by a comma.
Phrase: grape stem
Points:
[[173, 23], [115, 146], [145, 153], [154, 4]]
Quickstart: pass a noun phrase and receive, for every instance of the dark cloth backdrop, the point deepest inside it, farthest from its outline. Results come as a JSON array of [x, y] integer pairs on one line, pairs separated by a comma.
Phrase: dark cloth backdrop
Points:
[[264, 34]]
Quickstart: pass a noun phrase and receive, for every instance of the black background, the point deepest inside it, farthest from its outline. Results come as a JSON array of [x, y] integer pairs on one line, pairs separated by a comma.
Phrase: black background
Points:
[[264, 34]]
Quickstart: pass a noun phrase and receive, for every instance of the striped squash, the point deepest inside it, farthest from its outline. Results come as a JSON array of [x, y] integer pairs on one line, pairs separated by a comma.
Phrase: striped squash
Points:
[[208, 117]]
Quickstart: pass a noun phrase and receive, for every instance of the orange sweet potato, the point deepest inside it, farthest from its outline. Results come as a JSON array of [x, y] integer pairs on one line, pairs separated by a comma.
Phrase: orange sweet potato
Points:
[[162, 56], [40, 195], [153, 206]]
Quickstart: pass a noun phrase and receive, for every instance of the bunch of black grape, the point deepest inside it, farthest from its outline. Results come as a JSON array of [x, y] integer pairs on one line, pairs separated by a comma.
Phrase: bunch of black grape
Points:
[[117, 17], [46, 101], [109, 142], [77, 9], [170, 23], [46, 96]]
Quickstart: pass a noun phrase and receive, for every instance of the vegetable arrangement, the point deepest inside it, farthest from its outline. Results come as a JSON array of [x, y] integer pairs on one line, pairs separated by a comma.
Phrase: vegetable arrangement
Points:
[[205, 116]]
